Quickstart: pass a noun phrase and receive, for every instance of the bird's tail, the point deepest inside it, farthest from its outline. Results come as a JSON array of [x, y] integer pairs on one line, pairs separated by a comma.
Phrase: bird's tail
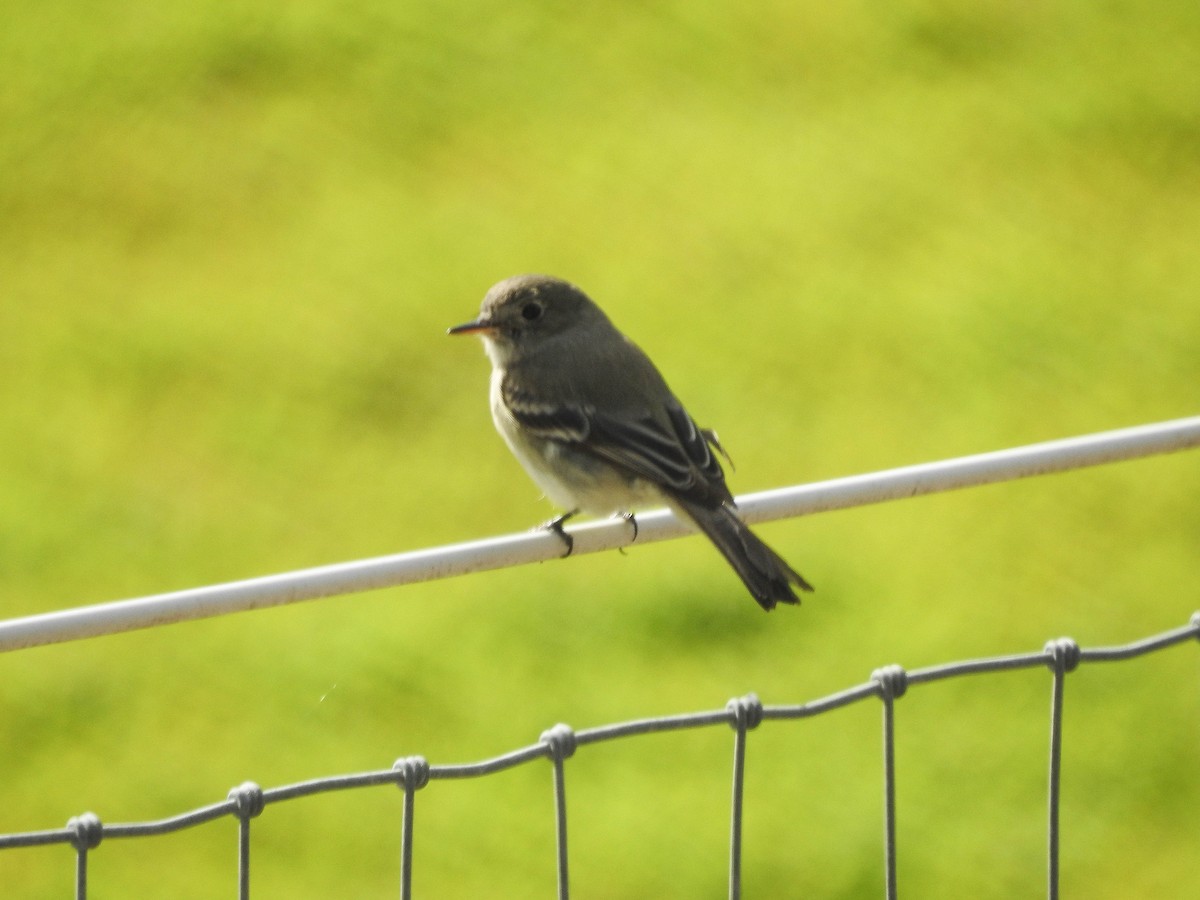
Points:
[[764, 572]]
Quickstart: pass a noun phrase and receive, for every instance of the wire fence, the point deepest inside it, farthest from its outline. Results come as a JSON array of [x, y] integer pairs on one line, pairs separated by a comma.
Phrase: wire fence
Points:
[[244, 803], [888, 684]]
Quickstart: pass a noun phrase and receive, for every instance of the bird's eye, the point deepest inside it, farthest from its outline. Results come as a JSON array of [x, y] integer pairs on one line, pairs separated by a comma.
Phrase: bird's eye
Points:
[[531, 310]]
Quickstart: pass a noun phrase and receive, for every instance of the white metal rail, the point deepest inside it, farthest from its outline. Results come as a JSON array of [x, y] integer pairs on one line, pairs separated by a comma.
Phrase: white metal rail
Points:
[[536, 546]]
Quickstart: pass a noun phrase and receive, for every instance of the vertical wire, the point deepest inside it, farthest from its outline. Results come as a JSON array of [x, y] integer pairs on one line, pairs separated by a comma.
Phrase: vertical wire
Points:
[[735, 825], [744, 713], [559, 743], [891, 683], [244, 858], [248, 802], [412, 774], [889, 797], [1056, 706], [81, 873], [560, 810], [406, 832], [1063, 656]]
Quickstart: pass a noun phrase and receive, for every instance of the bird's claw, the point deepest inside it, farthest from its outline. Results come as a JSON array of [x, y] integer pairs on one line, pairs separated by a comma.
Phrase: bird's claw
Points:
[[556, 525], [628, 517], [632, 520]]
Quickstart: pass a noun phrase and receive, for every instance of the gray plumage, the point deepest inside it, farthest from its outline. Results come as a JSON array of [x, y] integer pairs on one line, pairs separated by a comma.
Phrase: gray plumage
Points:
[[593, 422]]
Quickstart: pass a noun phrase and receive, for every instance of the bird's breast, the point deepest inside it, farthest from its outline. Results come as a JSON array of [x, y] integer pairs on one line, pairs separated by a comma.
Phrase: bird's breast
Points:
[[570, 476]]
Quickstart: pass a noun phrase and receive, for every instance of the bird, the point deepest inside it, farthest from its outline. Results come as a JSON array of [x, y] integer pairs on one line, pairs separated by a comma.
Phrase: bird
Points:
[[593, 422]]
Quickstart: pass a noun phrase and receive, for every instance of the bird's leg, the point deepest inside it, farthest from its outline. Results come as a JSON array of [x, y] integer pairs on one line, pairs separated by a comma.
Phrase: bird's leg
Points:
[[556, 525]]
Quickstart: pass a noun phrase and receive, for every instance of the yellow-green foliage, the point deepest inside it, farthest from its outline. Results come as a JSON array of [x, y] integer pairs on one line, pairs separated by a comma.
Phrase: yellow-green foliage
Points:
[[853, 235]]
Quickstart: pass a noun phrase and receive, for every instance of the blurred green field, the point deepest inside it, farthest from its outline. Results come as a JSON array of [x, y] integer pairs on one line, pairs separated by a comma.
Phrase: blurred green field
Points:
[[852, 236]]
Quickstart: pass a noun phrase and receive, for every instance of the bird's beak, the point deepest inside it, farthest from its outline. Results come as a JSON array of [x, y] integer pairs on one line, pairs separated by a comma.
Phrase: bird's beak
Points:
[[473, 327]]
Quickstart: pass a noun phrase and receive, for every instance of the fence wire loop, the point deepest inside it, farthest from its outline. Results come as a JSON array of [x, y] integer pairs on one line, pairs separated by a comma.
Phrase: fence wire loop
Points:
[[86, 831], [559, 742], [745, 713], [892, 681], [1063, 655], [248, 800], [413, 772]]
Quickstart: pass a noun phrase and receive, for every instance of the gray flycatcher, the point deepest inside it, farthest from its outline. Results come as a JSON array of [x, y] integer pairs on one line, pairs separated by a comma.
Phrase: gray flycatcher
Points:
[[595, 425]]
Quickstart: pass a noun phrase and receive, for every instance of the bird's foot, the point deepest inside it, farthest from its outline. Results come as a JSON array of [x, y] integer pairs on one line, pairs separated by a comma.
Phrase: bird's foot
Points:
[[556, 525], [633, 520], [628, 517]]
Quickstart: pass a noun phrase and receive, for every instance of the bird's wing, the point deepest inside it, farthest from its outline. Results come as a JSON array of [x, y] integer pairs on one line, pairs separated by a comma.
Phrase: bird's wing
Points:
[[668, 450], [556, 420]]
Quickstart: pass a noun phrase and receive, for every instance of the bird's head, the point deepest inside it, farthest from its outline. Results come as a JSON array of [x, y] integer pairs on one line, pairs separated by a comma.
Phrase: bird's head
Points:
[[522, 312]]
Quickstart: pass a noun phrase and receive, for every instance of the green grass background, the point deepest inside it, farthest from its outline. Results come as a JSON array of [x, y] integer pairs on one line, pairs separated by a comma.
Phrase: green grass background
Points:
[[853, 236]]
